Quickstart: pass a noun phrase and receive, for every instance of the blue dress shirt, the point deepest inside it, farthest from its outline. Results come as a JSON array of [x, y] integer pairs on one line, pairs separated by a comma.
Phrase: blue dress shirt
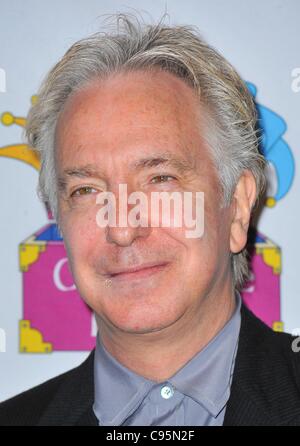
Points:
[[196, 395]]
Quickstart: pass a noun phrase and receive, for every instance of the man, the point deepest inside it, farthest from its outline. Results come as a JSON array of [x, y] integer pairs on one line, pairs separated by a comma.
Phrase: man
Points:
[[155, 109]]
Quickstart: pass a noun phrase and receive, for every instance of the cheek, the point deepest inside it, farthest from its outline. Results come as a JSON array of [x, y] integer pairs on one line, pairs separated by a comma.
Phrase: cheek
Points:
[[217, 224], [204, 256], [81, 235], [216, 241], [198, 256]]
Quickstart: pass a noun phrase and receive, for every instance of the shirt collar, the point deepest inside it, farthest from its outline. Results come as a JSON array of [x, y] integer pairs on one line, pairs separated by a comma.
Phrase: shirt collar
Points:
[[206, 378], [118, 390]]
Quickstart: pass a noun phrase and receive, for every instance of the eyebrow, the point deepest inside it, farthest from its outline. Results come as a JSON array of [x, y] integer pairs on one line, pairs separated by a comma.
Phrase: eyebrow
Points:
[[91, 170], [167, 159], [86, 171]]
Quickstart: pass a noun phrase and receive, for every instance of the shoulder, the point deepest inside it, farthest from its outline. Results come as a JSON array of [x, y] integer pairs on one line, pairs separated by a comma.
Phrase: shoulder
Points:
[[275, 349], [256, 334], [268, 368], [27, 408]]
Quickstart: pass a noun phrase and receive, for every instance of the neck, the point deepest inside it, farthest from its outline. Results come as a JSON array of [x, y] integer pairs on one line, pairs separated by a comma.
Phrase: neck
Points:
[[159, 355]]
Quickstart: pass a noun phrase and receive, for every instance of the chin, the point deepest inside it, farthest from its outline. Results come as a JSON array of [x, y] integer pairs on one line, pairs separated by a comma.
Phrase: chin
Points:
[[139, 319]]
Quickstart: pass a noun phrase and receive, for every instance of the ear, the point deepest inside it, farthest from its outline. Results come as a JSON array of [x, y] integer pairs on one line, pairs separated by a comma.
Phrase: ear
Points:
[[242, 204]]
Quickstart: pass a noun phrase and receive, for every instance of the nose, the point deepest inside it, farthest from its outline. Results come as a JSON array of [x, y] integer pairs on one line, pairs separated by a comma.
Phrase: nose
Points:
[[125, 236], [131, 223]]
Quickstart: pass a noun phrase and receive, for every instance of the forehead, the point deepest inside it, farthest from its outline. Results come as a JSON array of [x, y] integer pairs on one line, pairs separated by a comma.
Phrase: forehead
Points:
[[130, 112]]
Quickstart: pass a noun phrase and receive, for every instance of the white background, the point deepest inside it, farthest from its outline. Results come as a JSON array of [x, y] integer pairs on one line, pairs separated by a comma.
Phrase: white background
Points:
[[260, 38]]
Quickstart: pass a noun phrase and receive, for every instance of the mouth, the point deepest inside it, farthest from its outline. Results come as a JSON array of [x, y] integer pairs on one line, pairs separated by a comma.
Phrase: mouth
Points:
[[139, 272]]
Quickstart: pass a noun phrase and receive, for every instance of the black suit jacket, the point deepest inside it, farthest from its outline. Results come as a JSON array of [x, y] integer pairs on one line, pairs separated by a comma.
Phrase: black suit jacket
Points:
[[265, 388]]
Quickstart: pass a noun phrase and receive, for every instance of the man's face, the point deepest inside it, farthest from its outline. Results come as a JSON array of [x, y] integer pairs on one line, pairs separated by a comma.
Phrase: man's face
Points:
[[121, 131]]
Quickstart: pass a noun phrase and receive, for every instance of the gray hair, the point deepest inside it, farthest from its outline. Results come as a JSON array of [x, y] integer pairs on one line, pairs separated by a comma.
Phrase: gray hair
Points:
[[133, 45]]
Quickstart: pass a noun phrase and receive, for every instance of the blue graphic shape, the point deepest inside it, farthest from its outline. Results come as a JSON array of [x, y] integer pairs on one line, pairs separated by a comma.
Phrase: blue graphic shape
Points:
[[275, 149], [50, 234]]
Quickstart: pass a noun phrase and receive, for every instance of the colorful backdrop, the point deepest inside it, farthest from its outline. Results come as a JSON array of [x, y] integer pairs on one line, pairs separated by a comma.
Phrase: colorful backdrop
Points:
[[45, 328]]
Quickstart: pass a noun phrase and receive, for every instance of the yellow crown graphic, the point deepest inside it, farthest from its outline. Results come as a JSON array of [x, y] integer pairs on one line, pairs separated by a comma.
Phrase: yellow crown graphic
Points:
[[20, 152]]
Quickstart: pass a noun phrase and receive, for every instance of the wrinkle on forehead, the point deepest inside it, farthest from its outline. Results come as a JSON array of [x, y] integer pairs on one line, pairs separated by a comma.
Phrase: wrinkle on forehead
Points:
[[132, 109]]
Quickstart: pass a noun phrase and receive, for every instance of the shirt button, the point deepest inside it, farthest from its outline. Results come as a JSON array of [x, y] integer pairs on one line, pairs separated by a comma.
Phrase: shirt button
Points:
[[166, 392]]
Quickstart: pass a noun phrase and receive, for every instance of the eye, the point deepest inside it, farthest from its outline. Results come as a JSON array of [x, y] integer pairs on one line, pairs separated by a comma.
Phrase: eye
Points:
[[162, 178], [84, 190]]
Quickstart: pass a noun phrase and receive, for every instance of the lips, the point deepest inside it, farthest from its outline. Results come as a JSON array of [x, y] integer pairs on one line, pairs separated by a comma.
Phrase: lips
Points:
[[136, 272]]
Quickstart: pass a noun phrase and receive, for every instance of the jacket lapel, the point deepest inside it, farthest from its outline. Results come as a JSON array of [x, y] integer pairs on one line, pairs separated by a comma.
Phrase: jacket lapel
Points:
[[263, 391], [243, 407], [88, 418], [74, 400], [242, 410]]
